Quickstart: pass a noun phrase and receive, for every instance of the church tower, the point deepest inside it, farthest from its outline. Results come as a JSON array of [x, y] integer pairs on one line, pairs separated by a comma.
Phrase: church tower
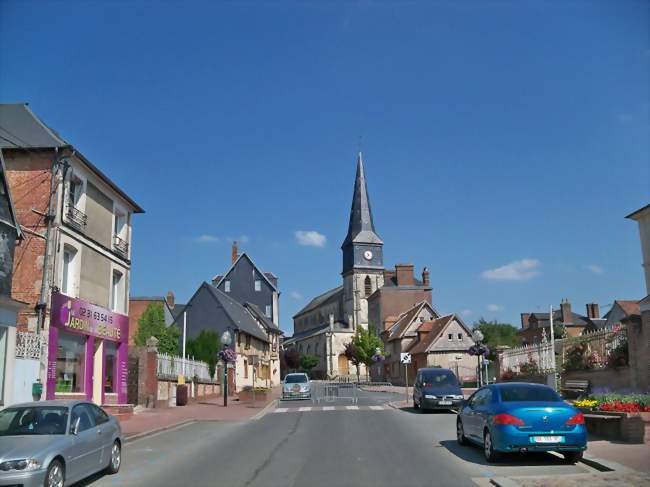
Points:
[[363, 260]]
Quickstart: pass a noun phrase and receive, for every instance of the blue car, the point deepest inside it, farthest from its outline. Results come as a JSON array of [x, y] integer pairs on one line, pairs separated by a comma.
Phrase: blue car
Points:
[[520, 417]]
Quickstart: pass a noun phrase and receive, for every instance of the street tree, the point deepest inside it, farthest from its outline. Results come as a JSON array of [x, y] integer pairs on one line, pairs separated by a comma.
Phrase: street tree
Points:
[[291, 358], [308, 362], [496, 334], [152, 323], [363, 349], [205, 348]]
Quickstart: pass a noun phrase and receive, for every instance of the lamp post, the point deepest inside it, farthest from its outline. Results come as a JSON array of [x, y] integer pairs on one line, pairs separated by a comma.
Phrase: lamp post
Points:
[[478, 338], [226, 340]]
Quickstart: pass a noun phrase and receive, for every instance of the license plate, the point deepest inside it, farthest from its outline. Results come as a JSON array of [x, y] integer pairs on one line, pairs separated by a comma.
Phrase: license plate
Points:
[[444, 403], [547, 439]]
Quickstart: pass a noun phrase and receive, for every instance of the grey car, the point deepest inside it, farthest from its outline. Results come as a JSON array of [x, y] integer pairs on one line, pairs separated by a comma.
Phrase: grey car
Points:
[[296, 386], [57, 443]]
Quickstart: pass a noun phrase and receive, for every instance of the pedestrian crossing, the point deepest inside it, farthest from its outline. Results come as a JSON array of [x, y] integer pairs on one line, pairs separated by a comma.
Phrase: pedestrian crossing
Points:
[[313, 409]]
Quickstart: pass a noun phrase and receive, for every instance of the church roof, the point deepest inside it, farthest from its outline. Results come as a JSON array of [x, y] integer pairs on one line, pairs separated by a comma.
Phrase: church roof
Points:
[[361, 228], [327, 296]]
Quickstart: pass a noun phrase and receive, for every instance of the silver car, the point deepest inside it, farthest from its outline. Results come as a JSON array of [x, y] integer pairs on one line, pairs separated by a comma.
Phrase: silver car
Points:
[[52, 443], [296, 386]]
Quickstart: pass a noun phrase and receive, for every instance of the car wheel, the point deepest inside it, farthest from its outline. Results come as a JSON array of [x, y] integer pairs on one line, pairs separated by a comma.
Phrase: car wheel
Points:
[[415, 404], [491, 455], [116, 459], [572, 456], [460, 433], [55, 475]]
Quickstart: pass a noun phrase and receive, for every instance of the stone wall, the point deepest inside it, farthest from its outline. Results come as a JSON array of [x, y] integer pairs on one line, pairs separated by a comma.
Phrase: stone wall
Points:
[[166, 392]]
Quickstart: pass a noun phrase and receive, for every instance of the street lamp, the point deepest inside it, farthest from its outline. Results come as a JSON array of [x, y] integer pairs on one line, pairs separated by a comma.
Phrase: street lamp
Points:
[[478, 338], [226, 340]]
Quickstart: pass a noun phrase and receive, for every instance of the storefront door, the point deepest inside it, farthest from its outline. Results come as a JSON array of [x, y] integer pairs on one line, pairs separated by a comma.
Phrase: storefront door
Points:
[[98, 372]]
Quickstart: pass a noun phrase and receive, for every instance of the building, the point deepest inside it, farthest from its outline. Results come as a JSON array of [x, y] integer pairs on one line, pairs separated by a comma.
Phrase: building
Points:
[[400, 292], [621, 310], [138, 304], [328, 322], [534, 324], [256, 337], [639, 330], [73, 266], [246, 283], [9, 233]]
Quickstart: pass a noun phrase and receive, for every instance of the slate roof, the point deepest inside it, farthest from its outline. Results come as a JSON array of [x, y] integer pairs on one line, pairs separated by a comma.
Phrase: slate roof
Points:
[[543, 319], [437, 327], [361, 227], [257, 312], [405, 319], [217, 279], [326, 297], [177, 310], [20, 128]]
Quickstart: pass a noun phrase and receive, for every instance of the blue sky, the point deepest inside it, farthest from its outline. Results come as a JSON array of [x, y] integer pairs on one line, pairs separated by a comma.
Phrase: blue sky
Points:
[[504, 141]]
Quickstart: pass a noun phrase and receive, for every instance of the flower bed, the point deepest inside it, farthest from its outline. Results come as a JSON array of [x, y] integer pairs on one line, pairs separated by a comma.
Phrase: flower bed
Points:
[[617, 416], [621, 403]]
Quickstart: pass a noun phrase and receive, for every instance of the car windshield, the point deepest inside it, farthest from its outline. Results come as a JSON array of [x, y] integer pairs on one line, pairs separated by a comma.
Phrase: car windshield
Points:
[[435, 379], [295, 379], [523, 393], [38, 420]]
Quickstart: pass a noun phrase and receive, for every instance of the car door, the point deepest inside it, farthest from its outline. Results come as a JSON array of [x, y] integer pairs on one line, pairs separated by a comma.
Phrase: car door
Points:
[[85, 450], [470, 414], [483, 412], [107, 431]]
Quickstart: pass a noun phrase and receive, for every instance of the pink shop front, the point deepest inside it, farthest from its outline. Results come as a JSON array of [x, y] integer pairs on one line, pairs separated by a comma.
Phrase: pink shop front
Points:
[[87, 352]]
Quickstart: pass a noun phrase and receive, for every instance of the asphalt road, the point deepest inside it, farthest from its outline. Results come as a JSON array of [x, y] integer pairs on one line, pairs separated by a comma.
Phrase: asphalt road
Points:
[[373, 445]]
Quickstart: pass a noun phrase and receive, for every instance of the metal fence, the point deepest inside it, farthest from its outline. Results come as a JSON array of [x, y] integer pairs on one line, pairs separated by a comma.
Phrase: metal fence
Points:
[[30, 345], [330, 391], [170, 367]]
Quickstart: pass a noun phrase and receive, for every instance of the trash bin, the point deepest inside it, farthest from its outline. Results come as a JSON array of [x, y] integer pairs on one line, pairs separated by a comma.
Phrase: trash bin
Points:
[[181, 395], [37, 390]]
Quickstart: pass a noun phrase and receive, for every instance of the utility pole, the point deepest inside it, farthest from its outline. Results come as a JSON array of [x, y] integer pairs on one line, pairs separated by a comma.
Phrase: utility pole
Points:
[[550, 317]]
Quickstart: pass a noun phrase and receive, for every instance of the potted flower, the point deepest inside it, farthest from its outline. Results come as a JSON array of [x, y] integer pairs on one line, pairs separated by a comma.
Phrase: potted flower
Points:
[[586, 405]]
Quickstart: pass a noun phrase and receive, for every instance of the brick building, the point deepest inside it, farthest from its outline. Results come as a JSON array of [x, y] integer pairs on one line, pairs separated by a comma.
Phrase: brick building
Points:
[[534, 324], [138, 304], [82, 299]]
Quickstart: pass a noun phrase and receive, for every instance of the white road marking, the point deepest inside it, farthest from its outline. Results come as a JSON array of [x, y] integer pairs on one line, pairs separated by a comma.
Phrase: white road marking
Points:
[[352, 408], [281, 410], [377, 408], [329, 408], [302, 409]]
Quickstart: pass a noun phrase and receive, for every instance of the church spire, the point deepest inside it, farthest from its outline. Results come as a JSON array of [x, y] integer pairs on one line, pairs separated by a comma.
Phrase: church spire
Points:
[[361, 228]]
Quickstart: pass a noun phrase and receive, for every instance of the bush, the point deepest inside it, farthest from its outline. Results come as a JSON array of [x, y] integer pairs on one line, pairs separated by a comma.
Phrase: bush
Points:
[[618, 357], [257, 389], [509, 374], [529, 368]]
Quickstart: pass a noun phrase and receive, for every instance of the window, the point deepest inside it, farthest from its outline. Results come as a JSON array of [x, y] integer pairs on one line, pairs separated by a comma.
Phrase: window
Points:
[[70, 362], [120, 225], [85, 416], [110, 354], [100, 416], [38, 420], [245, 369], [248, 342], [368, 286], [258, 285], [67, 278], [528, 393], [268, 311], [450, 336], [460, 336], [116, 292], [226, 286], [421, 319], [74, 192]]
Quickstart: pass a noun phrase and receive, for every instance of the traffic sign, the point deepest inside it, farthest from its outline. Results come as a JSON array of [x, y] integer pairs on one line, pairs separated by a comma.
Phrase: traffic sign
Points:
[[405, 358]]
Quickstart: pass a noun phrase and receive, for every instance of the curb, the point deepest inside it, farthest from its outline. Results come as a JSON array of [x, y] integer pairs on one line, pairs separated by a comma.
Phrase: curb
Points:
[[265, 410], [144, 434]]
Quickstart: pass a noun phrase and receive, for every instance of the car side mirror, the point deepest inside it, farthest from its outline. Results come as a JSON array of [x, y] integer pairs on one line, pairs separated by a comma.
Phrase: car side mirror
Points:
[[74, 427]]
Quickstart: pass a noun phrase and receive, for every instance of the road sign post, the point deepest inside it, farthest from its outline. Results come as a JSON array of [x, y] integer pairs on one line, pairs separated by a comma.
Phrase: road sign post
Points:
[[405, 358]]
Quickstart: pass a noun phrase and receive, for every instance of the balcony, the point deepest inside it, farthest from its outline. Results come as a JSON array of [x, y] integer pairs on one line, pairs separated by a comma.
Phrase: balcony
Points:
[[121, 246], [76, 218]]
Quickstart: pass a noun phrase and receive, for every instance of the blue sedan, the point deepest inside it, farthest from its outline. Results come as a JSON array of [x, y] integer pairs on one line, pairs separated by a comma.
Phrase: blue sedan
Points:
[[521, 417]]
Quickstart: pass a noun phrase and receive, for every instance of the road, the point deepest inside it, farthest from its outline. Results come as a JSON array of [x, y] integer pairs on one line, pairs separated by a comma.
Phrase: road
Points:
[[374, 445]]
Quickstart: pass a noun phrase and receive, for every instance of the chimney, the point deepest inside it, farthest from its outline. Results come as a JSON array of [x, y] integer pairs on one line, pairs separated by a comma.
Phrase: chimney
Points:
[[565, 309], [234, 253], [425, 277], [170, 299], [404, 274], [593, 311], [524, 320]]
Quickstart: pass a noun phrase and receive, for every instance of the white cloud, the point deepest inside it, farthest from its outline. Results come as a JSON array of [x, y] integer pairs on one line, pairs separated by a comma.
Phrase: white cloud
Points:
[[295, 295], [466, 312], [206, 239], [596, 269], [494, 307], [518, 270], [310, 238]]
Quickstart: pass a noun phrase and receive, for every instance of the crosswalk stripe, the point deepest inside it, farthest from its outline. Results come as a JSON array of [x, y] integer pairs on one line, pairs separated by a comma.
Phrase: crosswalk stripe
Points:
[[329, 408], [304, 409], [352, 408], [377, 408], [281, 410]]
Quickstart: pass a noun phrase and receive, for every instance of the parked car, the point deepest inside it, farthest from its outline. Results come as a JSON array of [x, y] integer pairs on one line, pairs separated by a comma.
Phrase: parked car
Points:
[[57, 443], [521, 417], [296, 386], [436, 389]]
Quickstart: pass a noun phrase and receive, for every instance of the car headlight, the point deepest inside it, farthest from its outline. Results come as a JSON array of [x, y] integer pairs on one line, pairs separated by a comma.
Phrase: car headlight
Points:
[[429, 396], [24, 464], [459, 397]]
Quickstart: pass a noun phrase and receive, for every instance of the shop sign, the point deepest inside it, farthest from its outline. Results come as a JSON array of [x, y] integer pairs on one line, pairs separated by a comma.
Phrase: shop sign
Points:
[[79, 316]]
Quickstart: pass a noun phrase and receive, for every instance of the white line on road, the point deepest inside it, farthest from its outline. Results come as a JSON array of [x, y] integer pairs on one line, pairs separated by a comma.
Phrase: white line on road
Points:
[[329, 408], [281, 410], [377, 408], [352, 408], [304, 409]]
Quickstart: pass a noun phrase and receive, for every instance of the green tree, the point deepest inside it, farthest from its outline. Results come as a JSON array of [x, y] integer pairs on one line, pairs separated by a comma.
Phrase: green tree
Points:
[[559, 332], [204, 348], [362, 348], [152, 323], [496, 334], [308, 362]]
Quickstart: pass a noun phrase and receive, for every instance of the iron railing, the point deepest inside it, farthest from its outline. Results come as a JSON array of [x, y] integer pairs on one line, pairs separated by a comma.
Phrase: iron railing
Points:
[[121, 246], [170, 367], [76, 217]]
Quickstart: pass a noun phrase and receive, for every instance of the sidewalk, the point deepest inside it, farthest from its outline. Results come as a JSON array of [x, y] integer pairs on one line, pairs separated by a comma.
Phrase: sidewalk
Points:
[[151, 420], [636, 457]]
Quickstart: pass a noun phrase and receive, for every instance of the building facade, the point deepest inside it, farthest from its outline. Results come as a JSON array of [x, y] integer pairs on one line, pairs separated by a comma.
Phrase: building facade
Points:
[[534, 324], [138, 305], [73, 267]]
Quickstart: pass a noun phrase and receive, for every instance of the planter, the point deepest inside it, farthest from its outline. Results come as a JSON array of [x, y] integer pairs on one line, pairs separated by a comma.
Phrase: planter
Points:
[[181, 395], [626, 427], [247, 396]]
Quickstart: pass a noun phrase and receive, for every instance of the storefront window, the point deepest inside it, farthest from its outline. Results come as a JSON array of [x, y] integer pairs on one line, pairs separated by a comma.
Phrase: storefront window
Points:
[[110, 352], [70, 362], [3, 360]]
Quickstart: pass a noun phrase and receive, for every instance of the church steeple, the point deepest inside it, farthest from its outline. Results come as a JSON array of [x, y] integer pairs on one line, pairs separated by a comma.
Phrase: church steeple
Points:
[[362, 247], [361, 228]]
